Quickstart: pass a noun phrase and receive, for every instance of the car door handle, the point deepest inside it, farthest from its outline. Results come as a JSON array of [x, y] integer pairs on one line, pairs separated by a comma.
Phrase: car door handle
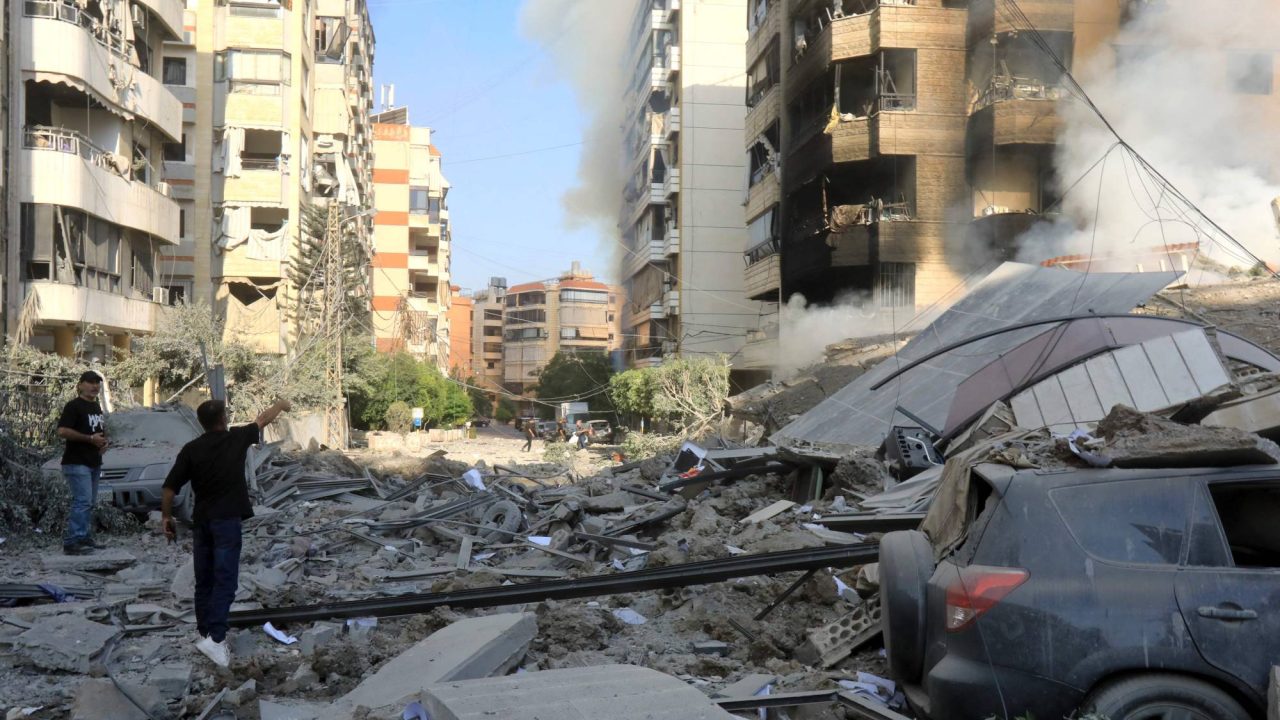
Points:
[[1221, 613]]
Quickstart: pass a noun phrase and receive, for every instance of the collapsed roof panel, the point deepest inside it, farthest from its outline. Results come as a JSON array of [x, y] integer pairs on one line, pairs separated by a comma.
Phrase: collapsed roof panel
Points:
[[1013, 294]]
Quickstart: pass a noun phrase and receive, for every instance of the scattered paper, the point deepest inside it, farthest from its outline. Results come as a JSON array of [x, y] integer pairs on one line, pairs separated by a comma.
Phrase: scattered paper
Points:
[[1078, 442], [734, 550], [483, 556], [543, 540], [415, 711], [629, 616], [273, 632]]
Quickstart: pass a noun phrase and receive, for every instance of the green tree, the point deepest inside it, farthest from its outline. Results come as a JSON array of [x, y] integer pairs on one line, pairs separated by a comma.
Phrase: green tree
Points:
[[399, 417], [576, 377], [689, 393], [386, 378], [506, 411], [632, 392]]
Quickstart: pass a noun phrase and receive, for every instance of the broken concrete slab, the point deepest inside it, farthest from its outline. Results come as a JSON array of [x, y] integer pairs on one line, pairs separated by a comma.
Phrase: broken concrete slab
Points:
[[268, 710], [242, 695], [617, 692], [317, 636], [100, 699], [748, 686], [171, 680], [835, 641], [108, 559], [1258, 413], [472, 648], [65, 642], [1139, 440]]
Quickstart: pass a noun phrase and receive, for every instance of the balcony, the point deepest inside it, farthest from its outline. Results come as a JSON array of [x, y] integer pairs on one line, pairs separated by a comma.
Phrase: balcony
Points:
[[673, 7], [1015, 111], [637, 259], [254, 105], [671, 302], [62, 167], [61, 303], [767, 27], [261, 26], [763, 194], [671, 242], [64, 41], [673, 60], [764, 112], [659, 20], [169, 12], [671, 123], [257, 186], [424, 263], [656, 311], [763, 276], [1045, 15], [760, 352], [671, 185]]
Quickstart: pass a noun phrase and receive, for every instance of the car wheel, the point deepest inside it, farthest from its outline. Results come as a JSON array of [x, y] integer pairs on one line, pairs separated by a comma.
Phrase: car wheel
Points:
[[502, 520], [906, 563], [1153, 697]]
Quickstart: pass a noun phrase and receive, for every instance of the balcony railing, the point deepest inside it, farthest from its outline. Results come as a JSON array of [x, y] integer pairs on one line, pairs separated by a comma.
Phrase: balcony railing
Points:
[[1006, 87], [761, 251], [257, 163], [41, 137], [57, 10]]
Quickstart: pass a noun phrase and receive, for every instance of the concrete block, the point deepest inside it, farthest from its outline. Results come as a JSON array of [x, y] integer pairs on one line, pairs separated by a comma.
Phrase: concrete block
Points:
[[617, 692], [746, 687], [317, 636], [770, 511], [183, 586], [109, 559], [835, 641], [292, 711], [467, 649], [100, 699], [65, 642], [171, 681], [242, 695]]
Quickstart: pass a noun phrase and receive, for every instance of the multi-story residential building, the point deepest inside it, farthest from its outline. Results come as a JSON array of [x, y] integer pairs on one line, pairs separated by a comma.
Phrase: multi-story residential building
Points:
[[461, 309], [88, 209], [411, 290], [486, 334], [571, 313], [894, 145], [275, 109], [681, 217]]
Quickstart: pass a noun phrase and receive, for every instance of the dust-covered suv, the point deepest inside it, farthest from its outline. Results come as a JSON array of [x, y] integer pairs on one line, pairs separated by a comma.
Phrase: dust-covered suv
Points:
[[1126, 593]]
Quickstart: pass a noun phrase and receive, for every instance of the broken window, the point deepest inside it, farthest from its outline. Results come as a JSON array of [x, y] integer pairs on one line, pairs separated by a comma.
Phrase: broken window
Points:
[[764, 74], [1248, 513], [1132, 521], [1251, 73], [1015, 67], [331, 39], [762, 156], [263, 150]]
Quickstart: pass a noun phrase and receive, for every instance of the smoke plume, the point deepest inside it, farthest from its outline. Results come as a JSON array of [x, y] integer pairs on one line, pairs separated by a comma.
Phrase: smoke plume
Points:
[[587, 43], [808, 330], [1193, 107]]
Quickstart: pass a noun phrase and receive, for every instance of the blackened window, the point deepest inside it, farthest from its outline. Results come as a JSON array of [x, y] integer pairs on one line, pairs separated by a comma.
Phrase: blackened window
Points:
[[176, 152], [175, 71]]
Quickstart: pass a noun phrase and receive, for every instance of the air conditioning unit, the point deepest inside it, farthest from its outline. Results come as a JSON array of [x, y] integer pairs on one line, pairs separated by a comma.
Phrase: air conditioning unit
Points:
[[160, 295], [139, 17]]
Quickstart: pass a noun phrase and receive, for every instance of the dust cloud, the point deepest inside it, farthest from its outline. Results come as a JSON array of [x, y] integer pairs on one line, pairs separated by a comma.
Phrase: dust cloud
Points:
[[585, 41], [807, 330], [1202, 116]]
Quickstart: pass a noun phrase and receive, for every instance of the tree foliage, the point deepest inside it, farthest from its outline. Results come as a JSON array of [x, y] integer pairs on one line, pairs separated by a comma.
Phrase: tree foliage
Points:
[[506, 411], [632, 392], [689, 393], [576, 377], [389, 378]]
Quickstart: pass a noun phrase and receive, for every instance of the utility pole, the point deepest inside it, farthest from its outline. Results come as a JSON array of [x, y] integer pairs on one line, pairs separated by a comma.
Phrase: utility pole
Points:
[[334, 321]]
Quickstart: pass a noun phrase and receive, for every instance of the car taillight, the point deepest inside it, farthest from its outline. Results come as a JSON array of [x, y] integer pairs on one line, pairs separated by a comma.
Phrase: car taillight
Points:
[[976, 590]]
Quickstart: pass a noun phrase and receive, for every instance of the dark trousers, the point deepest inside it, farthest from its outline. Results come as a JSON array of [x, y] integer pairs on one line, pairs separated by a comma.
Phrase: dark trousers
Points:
[[528, 444], [217, 564]]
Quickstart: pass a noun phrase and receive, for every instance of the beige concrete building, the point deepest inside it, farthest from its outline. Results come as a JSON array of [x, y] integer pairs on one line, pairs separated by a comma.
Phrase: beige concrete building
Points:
[[681, 217], [410, 269], [275, 109], [88, 207], [571, 313], [487, 309]]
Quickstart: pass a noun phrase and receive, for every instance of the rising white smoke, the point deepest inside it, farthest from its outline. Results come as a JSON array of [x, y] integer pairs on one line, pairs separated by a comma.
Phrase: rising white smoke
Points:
[[808, 330], [587, 41], [1173, 90]]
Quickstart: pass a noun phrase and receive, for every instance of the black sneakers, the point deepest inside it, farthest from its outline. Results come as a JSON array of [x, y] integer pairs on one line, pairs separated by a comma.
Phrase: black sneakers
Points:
[[77, 549]]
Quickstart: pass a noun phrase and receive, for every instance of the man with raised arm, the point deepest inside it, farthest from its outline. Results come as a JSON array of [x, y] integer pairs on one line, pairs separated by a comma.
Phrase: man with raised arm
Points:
[[214, 465]]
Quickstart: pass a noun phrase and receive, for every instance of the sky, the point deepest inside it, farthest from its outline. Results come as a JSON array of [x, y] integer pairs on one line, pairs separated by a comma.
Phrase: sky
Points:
[[495, 104]]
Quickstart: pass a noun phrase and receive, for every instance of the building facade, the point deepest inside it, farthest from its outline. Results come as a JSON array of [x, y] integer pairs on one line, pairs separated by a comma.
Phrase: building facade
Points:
[[275, 108], [571, 313], [88, 208], [461, 311], [681, 216], [411, 290], [486, 334]]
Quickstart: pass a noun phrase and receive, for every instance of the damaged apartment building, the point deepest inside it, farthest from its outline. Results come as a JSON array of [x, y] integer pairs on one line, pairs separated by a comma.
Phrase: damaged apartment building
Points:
[[681, 215], [276, 100], [89, 209], [895, 145], [410, 274]]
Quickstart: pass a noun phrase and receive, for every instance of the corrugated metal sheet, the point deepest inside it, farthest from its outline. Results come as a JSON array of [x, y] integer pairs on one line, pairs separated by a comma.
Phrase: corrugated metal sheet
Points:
[[1014, 293]]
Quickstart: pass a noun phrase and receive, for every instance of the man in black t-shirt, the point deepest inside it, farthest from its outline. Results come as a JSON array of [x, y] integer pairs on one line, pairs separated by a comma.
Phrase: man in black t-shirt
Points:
[[82, 425], [214, 465]]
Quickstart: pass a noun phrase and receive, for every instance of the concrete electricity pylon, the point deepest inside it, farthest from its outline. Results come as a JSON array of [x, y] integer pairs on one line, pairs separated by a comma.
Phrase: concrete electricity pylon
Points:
[[334, 322]]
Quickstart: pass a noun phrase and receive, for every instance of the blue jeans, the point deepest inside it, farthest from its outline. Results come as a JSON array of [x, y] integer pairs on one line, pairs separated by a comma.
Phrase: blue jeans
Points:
[[83, 482], [217, 565]]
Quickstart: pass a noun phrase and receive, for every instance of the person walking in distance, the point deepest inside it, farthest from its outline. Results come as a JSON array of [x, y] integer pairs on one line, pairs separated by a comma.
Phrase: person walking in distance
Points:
[[529, 435], [214, 465], [580, 433], [83, 426]]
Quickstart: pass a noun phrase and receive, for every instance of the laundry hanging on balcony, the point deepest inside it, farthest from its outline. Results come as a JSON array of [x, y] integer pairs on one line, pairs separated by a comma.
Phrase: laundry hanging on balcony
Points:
[[260, 244], [267, 244], [232, 146], [235, 228]]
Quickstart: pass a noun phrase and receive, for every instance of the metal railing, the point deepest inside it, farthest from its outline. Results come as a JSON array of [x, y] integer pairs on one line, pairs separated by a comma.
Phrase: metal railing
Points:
[[761, 251], [43, 137], [68, 13], [1003, 88], [253, 163], [896, 102]]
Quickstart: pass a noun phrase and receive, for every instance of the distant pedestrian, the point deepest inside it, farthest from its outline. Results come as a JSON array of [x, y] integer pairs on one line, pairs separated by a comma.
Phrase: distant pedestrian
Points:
[[83, 425], [562, 432], [529, 435], [214, 465], [580, 433]]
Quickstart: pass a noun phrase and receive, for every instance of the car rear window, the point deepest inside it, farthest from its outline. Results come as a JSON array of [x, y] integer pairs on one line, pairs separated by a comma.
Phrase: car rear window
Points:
[[1249, 513], [1131, 521]]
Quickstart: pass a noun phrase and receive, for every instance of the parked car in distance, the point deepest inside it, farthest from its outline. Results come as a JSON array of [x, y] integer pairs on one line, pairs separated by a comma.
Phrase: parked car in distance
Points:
[[546, 429], [1124, 593], [479, 421], [601, 432], [143, 445]]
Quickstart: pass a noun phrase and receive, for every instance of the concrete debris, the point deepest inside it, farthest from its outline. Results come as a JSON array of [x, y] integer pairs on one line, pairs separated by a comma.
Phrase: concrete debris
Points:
[[749, 686], [833, 642], [318, 636], [618, 692], [1140, 440], [102, 699], [109, 559], [65, 642], [171, 680]]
